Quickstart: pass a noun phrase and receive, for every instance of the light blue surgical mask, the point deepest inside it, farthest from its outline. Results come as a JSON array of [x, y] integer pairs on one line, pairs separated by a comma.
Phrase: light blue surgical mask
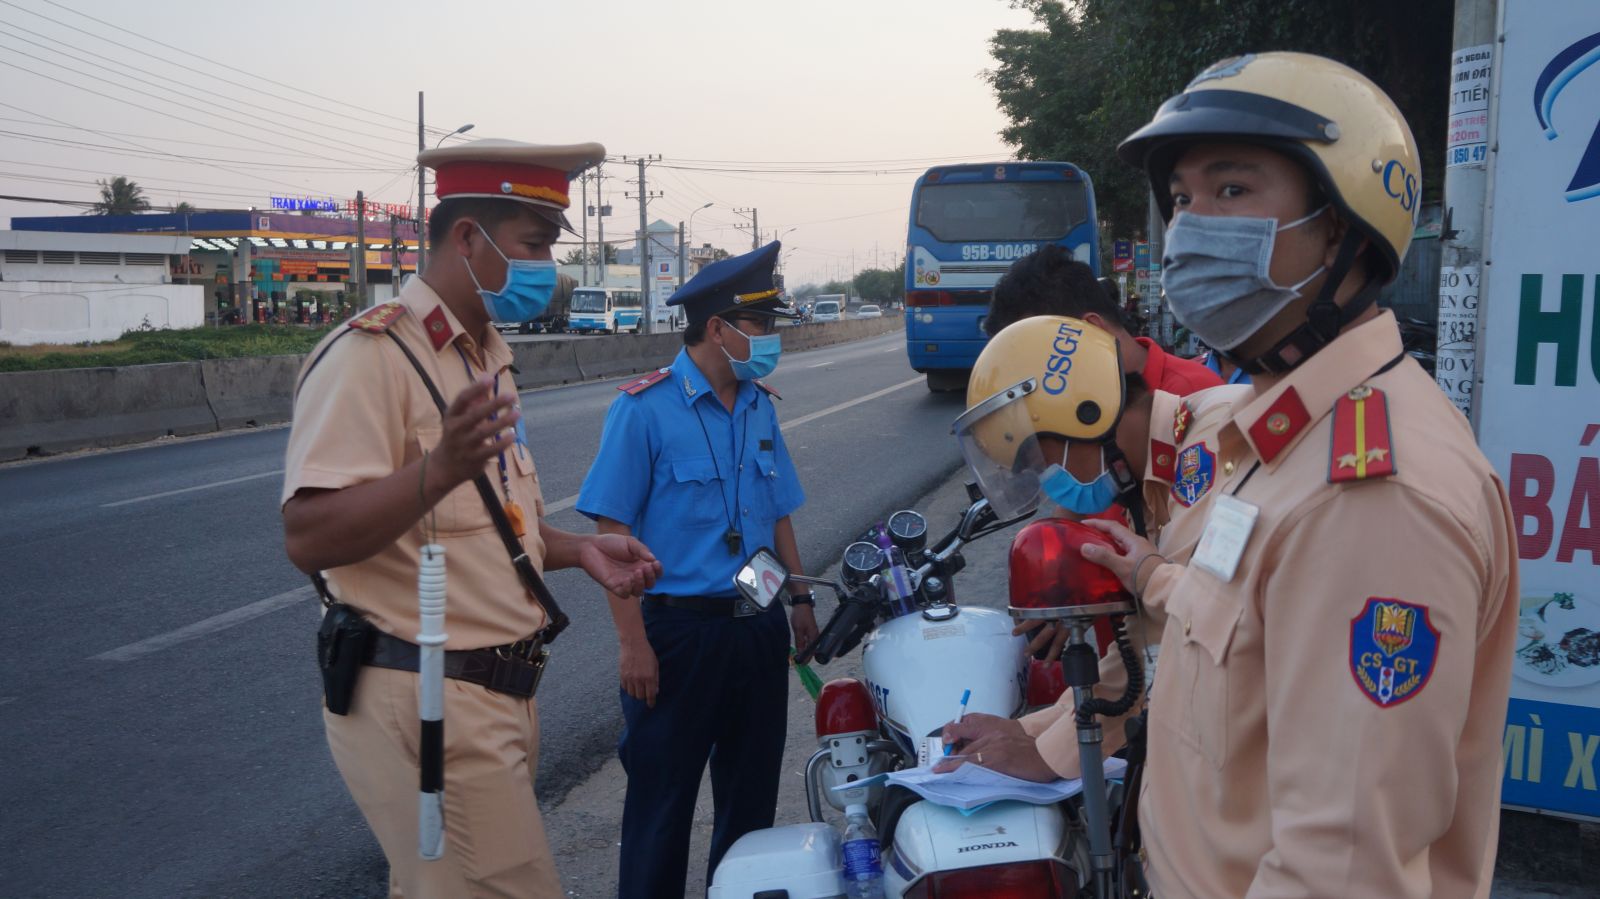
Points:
[[764, 353], [526, 294], [1216, 272], [1074, 495]]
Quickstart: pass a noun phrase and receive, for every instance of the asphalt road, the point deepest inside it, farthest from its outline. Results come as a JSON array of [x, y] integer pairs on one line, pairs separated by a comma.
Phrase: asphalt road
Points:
[[159, 708]]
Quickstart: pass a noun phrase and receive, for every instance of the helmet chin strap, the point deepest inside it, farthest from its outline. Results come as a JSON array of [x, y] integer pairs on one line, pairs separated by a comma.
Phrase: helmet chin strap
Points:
[[1128, 493], [1324, 319]]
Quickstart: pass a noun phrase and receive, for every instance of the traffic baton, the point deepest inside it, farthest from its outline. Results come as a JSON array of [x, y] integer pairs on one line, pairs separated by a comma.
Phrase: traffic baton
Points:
[[430, 705]]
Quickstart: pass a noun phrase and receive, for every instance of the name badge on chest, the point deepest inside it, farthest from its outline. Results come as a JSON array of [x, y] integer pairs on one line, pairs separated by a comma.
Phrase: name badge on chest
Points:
[[1226, 535]]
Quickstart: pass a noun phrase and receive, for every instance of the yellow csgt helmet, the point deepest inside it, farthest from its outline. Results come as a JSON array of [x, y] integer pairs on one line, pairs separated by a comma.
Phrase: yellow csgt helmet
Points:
[[1326, 115], [1045, 375]]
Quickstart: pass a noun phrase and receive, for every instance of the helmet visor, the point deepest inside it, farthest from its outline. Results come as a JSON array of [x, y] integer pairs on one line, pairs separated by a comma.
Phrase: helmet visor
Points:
[[997, 441]]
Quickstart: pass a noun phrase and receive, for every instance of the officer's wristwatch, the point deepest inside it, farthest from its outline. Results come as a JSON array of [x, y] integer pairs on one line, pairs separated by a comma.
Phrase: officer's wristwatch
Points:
[[802, 599]]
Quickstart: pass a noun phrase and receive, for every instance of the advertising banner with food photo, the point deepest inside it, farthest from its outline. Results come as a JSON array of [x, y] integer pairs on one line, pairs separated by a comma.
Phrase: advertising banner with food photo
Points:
[[1538, 418]]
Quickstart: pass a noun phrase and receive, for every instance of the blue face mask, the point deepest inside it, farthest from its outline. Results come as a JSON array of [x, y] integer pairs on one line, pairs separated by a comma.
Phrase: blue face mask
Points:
[[526, 294], [1073, 495], [764, 353]]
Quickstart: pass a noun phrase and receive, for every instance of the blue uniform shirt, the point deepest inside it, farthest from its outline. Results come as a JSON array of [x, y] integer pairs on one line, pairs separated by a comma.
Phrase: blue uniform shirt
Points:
[[1239, 376], [678, 486]]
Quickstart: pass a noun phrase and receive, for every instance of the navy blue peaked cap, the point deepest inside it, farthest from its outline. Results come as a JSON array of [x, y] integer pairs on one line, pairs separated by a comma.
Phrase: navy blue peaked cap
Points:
[[741, 283]]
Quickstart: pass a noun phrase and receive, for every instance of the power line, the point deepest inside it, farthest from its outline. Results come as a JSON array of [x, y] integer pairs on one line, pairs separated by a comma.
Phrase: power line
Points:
[[125, 68], [206, 112], [123, 29], [147, 154]]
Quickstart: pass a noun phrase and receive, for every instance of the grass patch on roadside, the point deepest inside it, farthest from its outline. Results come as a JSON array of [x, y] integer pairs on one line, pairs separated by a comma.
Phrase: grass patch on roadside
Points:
[[149, 347]]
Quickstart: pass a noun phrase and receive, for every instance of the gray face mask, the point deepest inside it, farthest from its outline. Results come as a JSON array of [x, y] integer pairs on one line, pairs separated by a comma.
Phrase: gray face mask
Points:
[[1216, 271]]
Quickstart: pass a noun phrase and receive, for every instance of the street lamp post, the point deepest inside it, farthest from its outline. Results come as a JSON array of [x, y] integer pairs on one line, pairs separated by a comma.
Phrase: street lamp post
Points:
[[422, 187], [691, 219]]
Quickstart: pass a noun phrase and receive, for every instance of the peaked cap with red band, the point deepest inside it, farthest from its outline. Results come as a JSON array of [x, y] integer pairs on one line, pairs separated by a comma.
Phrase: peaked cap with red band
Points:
[[537, 174]]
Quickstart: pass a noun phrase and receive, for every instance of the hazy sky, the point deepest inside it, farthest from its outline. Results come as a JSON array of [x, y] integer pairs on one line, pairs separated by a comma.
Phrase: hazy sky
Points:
[[879, 88]]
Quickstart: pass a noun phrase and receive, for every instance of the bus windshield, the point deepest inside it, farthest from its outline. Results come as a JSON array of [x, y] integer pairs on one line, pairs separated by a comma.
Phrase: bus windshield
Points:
[[588, 301], [1002, 211]]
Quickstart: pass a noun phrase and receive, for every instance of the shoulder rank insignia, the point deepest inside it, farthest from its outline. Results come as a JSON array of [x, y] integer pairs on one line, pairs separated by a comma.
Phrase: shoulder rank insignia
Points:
[[1197, 468], [378, 319], [639, 384], [768, 390], [1393, 647], [1180, 422], [1361, 444]]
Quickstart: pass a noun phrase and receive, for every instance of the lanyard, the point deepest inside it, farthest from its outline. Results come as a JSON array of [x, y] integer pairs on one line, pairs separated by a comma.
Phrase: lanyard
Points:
[[505, 479], [732, 537]]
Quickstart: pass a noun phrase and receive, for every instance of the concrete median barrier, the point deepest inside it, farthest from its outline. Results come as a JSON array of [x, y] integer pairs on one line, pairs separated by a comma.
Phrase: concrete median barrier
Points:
[[249, 392], [55, 411], [68, 409]]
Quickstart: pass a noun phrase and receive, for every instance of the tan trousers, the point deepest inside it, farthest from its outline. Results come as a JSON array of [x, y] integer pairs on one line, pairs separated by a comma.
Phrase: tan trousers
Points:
[[495, 842]]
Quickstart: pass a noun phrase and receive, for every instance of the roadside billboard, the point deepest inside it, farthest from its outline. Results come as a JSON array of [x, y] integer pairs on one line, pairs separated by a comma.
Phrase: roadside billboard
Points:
[[1539, 406]]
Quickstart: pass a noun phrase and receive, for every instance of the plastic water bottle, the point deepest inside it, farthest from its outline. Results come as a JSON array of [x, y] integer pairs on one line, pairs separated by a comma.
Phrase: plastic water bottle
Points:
[[895, 576], [863, 870]]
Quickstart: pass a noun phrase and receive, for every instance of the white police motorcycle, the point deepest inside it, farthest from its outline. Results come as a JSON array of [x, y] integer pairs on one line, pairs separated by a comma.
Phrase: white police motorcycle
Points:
[[920, 656]]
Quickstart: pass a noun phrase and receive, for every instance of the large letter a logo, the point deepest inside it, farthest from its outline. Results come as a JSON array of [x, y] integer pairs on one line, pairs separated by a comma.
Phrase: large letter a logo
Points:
[[1567, 65]]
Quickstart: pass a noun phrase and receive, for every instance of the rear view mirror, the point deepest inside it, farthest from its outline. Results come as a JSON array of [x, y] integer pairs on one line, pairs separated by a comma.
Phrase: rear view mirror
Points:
[[762, 578]]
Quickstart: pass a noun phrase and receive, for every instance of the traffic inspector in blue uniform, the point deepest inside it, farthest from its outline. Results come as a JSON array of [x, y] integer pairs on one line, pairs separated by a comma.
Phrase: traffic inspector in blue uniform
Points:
[[691, 461]]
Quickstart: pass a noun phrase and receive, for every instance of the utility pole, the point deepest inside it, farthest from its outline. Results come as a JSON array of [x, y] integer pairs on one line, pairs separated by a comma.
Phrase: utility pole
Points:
[[754, 216], [600, 216], [422, 192], [647, 307], [394, 252], [1466, 174], [682, 257], [361, 250], [583, 256]]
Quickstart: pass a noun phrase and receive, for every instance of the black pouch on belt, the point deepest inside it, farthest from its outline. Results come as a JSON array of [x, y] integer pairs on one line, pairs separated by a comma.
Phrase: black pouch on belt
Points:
[[342, 643]]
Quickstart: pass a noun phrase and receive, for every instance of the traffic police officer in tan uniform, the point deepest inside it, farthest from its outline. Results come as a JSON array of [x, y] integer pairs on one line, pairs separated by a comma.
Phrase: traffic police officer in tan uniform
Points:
[[1336, 659], [375, 471]]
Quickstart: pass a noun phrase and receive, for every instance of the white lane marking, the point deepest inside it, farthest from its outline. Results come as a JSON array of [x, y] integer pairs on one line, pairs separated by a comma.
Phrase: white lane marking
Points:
[[819, 365], [790, 425], [140, 499], [561, 505], [206, 626], [7, 700]]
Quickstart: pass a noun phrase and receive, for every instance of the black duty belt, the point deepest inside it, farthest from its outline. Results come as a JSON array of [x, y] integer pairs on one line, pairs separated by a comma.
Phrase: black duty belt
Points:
[[715, 606], [514, 669]]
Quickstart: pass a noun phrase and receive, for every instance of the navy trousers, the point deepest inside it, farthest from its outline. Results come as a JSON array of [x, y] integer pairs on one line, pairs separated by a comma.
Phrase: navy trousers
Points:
[[724, 697]]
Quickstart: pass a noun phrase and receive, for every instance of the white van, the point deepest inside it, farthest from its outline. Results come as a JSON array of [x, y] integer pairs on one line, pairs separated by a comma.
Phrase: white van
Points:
[[828, 309]]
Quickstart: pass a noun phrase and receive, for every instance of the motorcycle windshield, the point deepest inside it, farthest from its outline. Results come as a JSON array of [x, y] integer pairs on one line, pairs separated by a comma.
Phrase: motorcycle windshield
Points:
[[998, 443]]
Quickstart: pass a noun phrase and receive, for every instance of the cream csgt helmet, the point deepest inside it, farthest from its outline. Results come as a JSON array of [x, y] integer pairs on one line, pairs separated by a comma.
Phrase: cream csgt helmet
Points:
[[1342, 128], [1047, 375]]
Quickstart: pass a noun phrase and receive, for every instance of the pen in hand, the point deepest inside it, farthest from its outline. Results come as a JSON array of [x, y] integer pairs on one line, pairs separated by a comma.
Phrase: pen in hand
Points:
[[965, 695]]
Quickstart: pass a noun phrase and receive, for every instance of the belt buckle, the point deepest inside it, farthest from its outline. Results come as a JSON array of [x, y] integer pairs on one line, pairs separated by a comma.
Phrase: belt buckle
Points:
[[744, 608]]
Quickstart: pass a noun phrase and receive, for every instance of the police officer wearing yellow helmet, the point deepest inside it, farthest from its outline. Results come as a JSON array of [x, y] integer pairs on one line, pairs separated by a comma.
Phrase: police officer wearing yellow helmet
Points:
[[1336, 658]]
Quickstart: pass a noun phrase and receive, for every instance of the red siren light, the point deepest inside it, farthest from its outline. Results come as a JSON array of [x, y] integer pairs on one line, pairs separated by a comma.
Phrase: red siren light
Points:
[[845, 707], [1050, 578]]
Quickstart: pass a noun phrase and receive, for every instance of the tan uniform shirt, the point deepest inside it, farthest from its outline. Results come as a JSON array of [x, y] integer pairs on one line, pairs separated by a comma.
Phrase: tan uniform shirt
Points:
[[1175, 527], [1281, 762], [363, 413]]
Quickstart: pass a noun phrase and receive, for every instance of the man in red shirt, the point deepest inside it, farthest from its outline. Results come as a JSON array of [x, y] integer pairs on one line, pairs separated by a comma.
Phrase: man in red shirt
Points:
[[1051, 282]]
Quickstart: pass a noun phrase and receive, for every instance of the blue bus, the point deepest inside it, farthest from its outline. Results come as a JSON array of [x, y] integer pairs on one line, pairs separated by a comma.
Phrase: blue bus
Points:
[[606, 310], [968, 224]]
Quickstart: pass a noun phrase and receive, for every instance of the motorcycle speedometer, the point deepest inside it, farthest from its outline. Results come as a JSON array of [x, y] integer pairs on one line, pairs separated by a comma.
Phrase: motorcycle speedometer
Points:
[[909, 530], [862, 560]]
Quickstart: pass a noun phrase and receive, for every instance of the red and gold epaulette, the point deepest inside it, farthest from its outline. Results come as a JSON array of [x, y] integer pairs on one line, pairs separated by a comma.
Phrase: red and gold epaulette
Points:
[[638, 385], [1362, 447], [379, 318], [768, 390]]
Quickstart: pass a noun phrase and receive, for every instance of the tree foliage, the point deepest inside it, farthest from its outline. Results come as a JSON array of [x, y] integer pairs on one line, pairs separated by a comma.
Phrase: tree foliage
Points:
[[577, 256], [119, 196], [1094, 71], [880, 285]]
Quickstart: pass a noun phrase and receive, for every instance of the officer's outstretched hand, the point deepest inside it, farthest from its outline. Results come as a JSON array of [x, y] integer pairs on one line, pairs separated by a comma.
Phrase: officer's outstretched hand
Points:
[[478, 426], [996, 743], [1133, 553], [619, 563]]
